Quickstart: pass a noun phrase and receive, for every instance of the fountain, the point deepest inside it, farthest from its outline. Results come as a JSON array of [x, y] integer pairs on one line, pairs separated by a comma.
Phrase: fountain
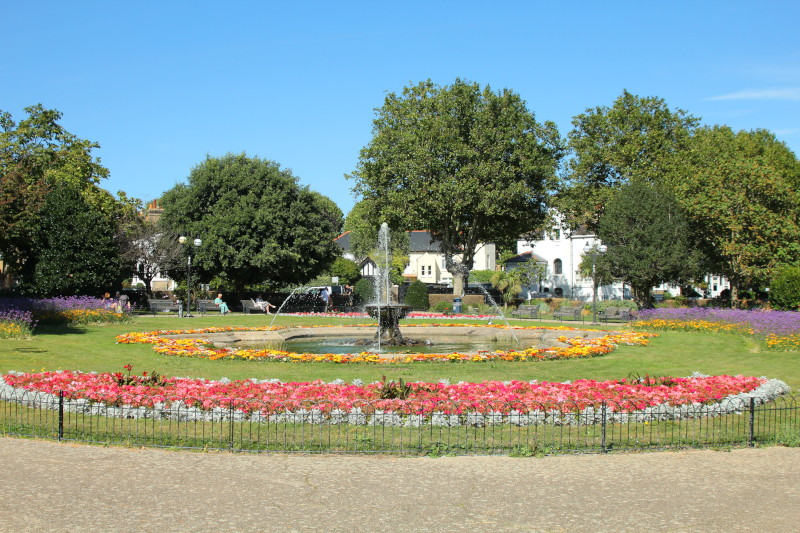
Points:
[[387, 313]]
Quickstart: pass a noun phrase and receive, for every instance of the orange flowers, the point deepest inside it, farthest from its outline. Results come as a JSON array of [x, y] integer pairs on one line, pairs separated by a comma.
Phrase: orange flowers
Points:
[[197, 347]]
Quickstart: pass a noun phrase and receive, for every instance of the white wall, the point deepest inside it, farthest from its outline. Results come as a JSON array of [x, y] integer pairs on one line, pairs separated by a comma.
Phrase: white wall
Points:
[[569, 250]]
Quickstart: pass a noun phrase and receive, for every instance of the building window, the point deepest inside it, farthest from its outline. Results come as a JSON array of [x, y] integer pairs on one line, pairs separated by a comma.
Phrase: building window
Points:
[[557, 267]]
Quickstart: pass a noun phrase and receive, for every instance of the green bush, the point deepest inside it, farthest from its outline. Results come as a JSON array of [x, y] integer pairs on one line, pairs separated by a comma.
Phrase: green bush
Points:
[[442, 306], [605, 304], [363, 291], [481, 276], [346, 270], [417, 296], [784, 292]]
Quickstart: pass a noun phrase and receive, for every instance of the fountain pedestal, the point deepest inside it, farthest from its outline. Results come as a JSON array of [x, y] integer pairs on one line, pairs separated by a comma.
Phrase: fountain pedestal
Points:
[[388, 317]]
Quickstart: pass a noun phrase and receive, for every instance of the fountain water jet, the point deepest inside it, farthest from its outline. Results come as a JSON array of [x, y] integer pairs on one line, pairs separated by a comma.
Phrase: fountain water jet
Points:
[[387, 313]]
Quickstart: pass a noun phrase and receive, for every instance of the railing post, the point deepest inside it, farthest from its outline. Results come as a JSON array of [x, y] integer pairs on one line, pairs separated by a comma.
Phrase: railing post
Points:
[[60, 415], [751, 436], [603, 427], [230, 418]]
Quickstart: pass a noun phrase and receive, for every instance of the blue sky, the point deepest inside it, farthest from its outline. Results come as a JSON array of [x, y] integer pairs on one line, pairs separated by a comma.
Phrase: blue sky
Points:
[[160, 85]]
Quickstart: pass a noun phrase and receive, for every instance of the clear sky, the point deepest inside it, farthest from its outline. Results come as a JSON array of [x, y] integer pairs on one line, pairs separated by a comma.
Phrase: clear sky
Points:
[[160, 85]]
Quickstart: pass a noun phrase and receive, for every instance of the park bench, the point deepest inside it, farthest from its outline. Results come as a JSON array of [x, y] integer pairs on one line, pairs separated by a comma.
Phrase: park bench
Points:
[[206, 305], [568, 313], [162, 306], [526, 311], [249, 306], [611, 314]]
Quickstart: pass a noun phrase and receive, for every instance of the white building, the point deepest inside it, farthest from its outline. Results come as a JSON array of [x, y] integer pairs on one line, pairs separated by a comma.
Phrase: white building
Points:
[[425, 261], [562, 252]]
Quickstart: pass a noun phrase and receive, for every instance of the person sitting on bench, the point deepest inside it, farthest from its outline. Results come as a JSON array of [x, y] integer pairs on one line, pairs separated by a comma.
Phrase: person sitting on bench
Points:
[[219, 302], [263, 304]]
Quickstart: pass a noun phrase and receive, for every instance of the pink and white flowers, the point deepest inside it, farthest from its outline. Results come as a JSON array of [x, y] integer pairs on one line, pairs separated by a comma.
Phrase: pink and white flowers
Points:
[[515, 402]]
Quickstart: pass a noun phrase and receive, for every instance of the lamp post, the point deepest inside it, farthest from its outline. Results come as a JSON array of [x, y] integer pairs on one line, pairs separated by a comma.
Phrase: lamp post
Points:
[[594, 252], [197, 243]]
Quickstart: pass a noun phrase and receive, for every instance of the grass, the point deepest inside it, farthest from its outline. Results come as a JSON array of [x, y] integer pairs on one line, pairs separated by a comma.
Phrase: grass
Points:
[[93, 348]]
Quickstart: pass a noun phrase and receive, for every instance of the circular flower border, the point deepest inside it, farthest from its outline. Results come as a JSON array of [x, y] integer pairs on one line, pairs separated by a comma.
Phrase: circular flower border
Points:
[[518, 403], [202, 348]]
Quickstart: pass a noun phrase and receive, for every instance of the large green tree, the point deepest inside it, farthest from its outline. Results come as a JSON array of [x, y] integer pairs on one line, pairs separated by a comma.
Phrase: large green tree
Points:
[[37, 154], [637, 138], [466, 163], [741, 190], [649, 240], [257, 224], [75, 247]]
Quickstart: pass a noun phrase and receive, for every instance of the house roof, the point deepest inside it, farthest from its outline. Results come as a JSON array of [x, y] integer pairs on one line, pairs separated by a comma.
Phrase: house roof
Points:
[[421, 241], [525, 257], [343, 241]]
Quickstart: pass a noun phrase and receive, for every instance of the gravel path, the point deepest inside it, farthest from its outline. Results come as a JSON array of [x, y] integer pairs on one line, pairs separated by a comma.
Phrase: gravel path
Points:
[[47, 486]]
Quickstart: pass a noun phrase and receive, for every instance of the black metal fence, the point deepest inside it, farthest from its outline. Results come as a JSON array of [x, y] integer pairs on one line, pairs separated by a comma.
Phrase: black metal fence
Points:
[[445, 428]]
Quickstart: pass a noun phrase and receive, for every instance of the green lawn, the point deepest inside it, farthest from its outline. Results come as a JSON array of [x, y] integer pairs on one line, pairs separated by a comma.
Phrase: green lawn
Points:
[[672, 353]]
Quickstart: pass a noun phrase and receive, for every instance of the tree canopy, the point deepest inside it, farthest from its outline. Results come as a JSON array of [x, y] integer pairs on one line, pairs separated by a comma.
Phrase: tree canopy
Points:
[[363, 228], [466, 163], [75, 248], [36, 154], [649, 240], [741, 191], [637, 138], [257, 224]]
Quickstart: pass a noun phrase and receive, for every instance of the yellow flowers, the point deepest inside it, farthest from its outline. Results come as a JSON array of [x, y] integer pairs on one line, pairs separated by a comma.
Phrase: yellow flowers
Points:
[[197, 347]]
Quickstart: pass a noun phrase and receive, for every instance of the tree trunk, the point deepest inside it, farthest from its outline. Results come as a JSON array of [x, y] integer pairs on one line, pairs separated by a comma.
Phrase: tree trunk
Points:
[[458, 284], [642, 296], [734, 293]]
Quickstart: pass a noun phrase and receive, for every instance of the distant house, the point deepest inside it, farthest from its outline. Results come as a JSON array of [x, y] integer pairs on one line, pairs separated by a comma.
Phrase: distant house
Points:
[[367, 266], [425, 260], [562, 252]]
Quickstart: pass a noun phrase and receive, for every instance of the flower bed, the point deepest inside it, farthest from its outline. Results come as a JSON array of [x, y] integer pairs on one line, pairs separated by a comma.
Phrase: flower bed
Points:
[[412, 314], [73, 310], [16, 324], [201, 348], [490, 402], [778, 329]]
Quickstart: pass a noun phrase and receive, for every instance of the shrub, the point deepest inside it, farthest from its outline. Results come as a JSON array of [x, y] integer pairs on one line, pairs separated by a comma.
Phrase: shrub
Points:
[[346, 270], [481, 276], [363, 291], [442, 306], [417, 296], [785, 289]]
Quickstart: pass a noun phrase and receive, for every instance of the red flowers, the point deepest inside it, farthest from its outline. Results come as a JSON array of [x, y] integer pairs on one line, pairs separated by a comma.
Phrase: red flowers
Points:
[[423, 398]]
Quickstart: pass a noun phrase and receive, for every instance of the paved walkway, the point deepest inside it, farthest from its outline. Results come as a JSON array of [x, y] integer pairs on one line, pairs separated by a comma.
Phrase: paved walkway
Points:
[[47, 486]]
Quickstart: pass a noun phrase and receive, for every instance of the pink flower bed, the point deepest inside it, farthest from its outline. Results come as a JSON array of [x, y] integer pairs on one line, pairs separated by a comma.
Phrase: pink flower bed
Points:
[[412, 314], [490, 396]]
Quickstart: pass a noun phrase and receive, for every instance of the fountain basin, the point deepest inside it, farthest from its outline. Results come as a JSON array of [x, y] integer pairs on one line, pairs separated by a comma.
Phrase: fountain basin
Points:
[[463, 335]]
